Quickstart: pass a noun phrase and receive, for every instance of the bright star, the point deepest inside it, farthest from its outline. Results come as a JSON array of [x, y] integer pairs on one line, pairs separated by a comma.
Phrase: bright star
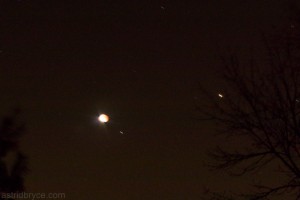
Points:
[[103, 118]]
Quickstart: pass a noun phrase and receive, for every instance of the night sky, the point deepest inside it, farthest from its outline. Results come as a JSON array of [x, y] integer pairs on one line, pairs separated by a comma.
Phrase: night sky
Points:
[[65, 62]]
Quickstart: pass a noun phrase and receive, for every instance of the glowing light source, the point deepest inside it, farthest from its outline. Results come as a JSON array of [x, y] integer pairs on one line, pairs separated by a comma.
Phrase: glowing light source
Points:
[[103, 118], [220, 95]]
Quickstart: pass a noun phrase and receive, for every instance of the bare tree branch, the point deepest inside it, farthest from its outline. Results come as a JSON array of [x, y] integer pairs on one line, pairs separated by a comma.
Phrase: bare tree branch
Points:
[[261, 103]]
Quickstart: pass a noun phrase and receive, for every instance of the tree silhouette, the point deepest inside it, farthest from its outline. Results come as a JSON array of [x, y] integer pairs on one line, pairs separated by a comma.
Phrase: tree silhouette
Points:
[[260, 105], [11, 177]]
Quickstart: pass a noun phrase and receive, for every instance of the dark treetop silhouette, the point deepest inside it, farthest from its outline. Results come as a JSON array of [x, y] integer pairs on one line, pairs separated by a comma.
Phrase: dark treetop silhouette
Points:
[[11, 176], [260, 107]]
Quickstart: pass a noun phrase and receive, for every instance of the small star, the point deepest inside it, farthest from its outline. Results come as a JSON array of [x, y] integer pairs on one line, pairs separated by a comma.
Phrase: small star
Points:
[[122, 132], [162, 7], [220, 95]]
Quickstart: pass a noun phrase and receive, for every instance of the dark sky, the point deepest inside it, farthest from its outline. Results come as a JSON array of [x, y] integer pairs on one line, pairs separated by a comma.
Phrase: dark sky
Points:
[[65, 62]]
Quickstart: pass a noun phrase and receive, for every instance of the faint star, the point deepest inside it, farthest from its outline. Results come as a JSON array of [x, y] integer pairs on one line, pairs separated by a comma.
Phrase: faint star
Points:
[[162, 7], [122, 132], [220, 95]]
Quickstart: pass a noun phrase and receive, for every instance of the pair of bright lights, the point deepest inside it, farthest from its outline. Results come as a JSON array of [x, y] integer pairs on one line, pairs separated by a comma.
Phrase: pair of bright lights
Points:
[[103, 118]]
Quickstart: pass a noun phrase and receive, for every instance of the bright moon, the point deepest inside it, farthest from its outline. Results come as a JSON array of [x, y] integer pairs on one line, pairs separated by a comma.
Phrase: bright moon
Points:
[[103, 118]]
